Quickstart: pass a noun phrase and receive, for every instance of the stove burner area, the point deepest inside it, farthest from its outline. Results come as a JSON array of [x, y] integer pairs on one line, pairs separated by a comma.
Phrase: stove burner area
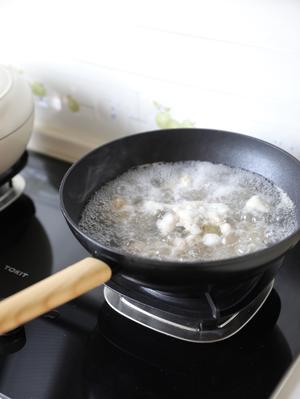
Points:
[[12, 185], [143, 363], [184, 327], [11, 191]]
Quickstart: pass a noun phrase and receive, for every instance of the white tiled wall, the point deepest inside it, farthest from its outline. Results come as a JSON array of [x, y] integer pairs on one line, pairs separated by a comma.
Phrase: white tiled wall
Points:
[[102, 69]]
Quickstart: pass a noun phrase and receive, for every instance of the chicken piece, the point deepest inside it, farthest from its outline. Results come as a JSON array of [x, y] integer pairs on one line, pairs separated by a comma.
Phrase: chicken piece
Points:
[[256, 205], [167, 223], [225, 229], [211, 228], [118, 203], [188, 222], [188, 213], [195, 229], [211, 240], [185, 180]]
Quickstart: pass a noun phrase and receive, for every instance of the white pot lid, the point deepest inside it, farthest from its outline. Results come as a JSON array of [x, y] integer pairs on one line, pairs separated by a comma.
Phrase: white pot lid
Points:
[[16, 102]]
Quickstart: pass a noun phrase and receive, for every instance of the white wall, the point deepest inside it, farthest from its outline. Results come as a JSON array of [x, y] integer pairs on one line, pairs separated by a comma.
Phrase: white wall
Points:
[[108, 68]]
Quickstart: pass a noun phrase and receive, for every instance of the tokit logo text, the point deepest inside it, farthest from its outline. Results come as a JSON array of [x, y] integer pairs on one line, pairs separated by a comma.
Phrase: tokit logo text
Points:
[[13, 270]]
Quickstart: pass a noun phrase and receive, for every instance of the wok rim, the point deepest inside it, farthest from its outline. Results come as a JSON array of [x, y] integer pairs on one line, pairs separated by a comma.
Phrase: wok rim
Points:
[[252, 259]]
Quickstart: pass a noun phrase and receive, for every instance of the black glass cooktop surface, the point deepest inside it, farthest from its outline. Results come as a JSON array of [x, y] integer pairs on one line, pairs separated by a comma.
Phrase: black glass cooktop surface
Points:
[[85, 350]]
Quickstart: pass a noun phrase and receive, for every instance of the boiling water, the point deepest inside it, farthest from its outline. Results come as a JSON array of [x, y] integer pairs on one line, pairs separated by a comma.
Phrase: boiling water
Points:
[[189, 211]]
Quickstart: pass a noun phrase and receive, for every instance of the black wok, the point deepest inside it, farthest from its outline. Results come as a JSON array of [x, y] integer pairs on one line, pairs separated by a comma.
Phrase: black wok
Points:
[[185, 278]]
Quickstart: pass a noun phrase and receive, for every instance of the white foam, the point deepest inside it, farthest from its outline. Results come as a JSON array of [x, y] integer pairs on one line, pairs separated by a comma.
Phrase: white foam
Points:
[[189, 210]]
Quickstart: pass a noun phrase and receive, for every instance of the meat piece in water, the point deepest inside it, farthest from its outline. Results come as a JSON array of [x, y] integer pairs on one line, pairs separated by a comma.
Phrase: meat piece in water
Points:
[[256, 204], [185, 180], [210, 240], [167, 223], [225, 229], [118, 203]]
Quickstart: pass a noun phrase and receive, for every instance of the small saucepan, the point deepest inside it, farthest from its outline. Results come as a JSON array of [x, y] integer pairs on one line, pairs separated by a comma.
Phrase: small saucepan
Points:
[[184, 278]]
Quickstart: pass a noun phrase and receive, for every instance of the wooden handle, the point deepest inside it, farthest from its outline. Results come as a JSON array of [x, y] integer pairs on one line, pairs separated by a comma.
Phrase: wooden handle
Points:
[[52, 292]]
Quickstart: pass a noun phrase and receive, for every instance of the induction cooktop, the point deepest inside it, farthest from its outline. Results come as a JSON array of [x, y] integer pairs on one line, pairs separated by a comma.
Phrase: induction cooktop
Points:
[[85, 349]]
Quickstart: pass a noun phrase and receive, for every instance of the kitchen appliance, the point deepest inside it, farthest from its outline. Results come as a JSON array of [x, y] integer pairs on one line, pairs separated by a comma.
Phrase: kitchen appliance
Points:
[[86, 350], [194, 301], [16, 115]]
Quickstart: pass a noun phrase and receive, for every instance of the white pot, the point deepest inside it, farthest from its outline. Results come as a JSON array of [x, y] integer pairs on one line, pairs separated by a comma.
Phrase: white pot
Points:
[[16, 116]]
